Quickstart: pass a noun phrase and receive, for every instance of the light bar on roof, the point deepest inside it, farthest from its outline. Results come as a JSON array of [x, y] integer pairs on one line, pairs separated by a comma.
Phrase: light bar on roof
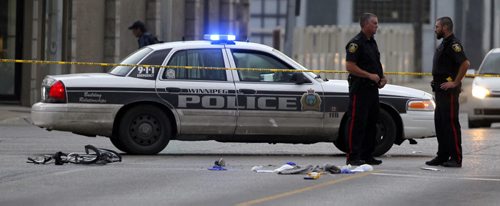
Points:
[[219, 37]]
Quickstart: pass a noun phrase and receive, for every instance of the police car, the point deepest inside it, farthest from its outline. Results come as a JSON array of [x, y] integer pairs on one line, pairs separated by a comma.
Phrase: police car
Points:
[[142, 108]]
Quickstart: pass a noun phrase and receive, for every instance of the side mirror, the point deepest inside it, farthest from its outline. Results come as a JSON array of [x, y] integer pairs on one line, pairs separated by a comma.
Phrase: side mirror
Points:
[[300, 78]]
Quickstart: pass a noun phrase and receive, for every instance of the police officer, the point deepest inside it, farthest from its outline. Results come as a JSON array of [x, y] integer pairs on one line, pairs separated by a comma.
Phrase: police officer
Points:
[[144, 38], [365, 78], [449, 67]]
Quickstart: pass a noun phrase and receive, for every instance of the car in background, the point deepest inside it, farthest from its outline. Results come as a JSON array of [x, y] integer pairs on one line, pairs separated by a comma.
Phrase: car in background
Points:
[[197, 94], [485, 102]]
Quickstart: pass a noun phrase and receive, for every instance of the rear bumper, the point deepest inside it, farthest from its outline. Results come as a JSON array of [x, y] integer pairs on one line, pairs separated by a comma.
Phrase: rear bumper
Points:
[[87, 119], [418, 124]]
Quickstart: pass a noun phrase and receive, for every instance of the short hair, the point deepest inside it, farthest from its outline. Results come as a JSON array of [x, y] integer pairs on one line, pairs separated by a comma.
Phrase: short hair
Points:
[[446, 21], [363, 19]]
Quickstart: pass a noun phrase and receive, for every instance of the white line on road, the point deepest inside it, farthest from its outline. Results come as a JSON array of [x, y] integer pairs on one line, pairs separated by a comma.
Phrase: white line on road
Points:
[[438, 177]]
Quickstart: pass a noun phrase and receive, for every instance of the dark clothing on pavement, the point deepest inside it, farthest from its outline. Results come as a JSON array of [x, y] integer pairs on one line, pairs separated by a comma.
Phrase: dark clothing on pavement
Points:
[[364, 105]]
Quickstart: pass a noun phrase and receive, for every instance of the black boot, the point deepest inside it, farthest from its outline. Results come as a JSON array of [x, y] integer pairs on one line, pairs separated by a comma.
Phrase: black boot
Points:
[[436, 161]]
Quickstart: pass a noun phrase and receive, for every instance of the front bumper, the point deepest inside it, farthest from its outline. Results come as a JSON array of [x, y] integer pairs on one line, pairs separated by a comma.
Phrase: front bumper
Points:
[[86, 119], [418, 124], [487, 109]]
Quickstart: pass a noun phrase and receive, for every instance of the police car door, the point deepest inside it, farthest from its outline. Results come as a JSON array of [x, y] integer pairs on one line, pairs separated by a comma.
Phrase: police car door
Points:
[[203, 99], [273, 103]]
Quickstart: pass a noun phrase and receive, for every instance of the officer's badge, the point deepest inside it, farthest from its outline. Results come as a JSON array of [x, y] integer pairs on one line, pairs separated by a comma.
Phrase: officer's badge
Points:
[[310, 101], [353, 47], [456, 47]]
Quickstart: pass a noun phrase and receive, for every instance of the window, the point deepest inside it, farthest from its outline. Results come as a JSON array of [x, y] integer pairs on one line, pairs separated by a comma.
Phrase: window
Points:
[[259, 60], [156, 58], [392, 11], [134, 58], [491, 65], [266, 16], [197, 57]]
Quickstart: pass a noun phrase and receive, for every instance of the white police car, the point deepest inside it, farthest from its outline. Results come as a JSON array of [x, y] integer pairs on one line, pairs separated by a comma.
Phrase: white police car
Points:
[[485, 104], [142, 108]]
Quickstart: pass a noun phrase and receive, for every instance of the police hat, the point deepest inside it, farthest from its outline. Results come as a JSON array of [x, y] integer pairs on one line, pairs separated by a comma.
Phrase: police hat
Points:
[[137, 25]]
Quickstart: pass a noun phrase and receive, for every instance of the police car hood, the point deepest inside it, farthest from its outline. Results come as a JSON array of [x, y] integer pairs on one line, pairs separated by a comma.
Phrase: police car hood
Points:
[[389, 89], [491, 83]]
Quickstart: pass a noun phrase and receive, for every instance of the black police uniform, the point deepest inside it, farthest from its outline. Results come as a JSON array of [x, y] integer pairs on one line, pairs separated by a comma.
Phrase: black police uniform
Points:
[[364, 105], [447, 60]]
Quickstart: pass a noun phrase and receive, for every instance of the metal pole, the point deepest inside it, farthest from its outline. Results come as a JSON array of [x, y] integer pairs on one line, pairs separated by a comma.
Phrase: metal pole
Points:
[[289, 27], [492, 24], [417, 25]]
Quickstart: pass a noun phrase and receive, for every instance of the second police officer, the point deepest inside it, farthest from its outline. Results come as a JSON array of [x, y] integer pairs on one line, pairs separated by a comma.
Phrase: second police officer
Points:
[[449, 68], [366, 76]]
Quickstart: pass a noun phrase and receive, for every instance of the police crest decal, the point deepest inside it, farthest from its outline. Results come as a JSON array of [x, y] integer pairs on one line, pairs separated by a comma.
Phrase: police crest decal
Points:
[[310, 101], [353, 47], [456, 47]]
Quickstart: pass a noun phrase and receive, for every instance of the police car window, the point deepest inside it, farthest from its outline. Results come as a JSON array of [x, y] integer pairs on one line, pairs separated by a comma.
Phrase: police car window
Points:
[[196, 57], [155, 58], [134, 58], [491, 64], [260, 60]]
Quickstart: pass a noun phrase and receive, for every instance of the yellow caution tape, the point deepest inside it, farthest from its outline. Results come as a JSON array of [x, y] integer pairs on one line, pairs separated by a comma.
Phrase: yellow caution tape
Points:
[[219, 68]]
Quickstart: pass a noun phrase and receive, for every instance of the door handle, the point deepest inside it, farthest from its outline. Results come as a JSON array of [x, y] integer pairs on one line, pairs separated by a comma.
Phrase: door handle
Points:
[[247, 91], [173, 89]]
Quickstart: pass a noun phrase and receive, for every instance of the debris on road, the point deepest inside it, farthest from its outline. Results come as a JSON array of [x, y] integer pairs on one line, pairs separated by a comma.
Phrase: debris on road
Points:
[[430, 168], [219, 165], [93, 155]]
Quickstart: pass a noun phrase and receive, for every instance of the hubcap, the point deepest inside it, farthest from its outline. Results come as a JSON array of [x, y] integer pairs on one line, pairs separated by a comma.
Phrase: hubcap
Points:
[[380, 132], [145, 130]]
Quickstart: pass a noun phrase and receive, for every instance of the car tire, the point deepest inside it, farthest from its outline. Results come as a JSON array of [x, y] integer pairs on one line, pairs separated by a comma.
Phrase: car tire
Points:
[[144, 130], [386, 134], [478, 124], [118, 144]]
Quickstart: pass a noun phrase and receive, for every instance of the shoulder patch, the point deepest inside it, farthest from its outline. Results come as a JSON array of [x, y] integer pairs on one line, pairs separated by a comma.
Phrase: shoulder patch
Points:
[[353, 47], [456, 47]]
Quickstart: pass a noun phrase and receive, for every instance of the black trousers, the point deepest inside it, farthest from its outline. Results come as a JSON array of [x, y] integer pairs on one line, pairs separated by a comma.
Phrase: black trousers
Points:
[[363, 114], [447, 125]]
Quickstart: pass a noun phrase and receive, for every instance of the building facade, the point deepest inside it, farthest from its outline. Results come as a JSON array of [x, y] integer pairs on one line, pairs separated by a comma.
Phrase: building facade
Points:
[[477, 22], [96, 31]]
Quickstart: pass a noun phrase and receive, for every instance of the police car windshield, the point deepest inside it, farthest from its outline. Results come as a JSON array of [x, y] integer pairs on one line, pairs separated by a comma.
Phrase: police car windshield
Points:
[[133, 58], [491, 64], [297, 65]]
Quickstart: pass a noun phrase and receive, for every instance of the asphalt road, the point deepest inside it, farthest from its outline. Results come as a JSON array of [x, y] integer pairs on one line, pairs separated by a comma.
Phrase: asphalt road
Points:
[[179, 175]]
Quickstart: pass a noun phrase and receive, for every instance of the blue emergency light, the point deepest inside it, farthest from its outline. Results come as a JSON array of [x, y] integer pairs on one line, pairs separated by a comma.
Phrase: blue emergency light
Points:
[[220, 39]]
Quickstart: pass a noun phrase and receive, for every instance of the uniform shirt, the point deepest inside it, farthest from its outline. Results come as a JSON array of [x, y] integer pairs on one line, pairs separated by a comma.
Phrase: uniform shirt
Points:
[[447, 59], [364, 52]]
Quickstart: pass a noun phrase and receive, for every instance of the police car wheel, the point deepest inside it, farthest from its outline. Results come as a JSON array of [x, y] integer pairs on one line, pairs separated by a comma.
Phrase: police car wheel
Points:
[[144, 130], [118, 144], [386, 134]]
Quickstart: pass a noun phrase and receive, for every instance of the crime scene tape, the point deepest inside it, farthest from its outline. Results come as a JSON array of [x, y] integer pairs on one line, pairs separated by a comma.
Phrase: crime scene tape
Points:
[[22, 61]]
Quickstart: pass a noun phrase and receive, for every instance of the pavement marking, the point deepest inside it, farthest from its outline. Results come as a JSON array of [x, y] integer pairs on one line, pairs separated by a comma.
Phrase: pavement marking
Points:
[[438, 177], [301, 190]]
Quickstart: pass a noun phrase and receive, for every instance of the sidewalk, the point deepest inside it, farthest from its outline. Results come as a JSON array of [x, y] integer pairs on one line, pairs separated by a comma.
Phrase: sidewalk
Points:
[[14, 115]]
